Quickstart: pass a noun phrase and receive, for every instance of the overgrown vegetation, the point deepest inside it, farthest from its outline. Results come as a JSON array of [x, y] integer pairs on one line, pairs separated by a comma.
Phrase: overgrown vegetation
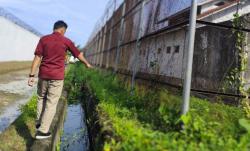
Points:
[[236, 79], [150, 119]]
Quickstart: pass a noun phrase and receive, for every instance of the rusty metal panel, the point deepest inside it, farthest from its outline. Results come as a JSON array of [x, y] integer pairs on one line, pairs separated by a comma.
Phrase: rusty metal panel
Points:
[[112, 54], [131, 26], [103, 45], [100, 47], [118, 14], [131, 56], [126, 57], [130, 4], [214, 56], [147, 14], [116, 26], [115, 35], [106, 45], [104, 59], [94, 48], [164, 58]]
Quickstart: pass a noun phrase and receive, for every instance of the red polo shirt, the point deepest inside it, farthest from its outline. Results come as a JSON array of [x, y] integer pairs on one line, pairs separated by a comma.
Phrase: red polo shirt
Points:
[[52, 48]]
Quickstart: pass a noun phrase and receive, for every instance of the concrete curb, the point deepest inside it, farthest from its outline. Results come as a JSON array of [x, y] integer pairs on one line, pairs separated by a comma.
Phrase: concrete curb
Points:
[[56, 126]]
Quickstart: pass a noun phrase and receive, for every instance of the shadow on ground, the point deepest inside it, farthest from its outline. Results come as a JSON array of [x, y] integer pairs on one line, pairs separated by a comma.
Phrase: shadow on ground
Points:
[[24, 131]]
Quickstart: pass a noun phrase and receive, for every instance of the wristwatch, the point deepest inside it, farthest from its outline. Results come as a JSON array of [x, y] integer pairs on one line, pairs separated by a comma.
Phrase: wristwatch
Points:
[[31, 75]]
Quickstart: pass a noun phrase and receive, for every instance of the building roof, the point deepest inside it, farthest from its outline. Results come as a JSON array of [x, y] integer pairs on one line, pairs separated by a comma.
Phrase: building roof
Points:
[[219, 6], [18, 21], [212, 10]]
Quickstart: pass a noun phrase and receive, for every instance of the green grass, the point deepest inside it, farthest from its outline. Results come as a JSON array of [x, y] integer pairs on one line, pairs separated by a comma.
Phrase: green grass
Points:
[[18, 137], [150, 119]]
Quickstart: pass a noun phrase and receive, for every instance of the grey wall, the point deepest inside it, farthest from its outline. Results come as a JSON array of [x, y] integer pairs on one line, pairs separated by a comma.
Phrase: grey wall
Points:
[[16, 42]]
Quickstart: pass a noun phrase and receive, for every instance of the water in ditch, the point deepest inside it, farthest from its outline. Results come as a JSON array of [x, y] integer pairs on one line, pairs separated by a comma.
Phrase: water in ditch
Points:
[[75, 135]]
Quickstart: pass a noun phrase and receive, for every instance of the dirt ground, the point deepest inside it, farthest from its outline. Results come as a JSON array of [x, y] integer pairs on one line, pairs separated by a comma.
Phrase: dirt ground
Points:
[[12, 87], [6, 67], [11, 71]]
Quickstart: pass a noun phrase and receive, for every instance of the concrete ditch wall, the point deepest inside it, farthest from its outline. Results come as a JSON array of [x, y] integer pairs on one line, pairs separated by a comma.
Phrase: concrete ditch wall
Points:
[[56, 127], [98, 123]]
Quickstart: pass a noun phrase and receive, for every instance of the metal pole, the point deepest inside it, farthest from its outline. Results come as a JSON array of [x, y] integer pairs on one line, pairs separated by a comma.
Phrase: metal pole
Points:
[[188, 74]]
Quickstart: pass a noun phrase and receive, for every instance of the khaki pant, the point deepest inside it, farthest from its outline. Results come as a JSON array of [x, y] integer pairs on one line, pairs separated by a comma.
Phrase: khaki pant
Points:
[[49, 92]]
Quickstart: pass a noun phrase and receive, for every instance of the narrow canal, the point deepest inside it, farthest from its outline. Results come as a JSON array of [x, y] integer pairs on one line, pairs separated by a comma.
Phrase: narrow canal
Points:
[[15, 92], [75, 134]]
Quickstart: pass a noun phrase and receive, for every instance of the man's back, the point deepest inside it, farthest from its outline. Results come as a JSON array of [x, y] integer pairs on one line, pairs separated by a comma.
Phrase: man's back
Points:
[[52, 48], [50, 54]]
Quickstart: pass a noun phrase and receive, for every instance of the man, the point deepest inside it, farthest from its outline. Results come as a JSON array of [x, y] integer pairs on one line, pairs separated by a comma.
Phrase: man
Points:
[[50, 55]]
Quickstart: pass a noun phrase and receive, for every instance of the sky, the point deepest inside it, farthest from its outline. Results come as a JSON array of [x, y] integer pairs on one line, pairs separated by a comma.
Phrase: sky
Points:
[[80, 15]]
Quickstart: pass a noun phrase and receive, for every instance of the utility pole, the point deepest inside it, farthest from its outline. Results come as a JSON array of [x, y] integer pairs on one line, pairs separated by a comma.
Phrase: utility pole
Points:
[[188, 73]]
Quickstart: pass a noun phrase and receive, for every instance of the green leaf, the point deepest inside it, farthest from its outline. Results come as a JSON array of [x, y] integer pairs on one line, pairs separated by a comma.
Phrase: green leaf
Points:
[[186, 118], [245, 123]]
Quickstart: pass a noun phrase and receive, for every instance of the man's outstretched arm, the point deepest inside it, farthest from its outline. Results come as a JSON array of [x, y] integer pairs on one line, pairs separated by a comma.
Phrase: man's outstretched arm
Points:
[[77, 54], [36, 62], [83, 60]]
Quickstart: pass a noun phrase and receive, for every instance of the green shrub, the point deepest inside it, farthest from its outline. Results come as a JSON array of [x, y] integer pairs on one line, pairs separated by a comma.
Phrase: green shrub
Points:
[[151, 120], [28, 111]]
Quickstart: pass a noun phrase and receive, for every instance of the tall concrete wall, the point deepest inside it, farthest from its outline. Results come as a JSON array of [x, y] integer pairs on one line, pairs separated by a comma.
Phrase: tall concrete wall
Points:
[[160, 53], [16, 43], [214, 57]]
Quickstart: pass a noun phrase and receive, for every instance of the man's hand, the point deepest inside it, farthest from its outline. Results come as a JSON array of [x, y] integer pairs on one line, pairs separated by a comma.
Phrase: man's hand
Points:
[[89, 66], [36, 62], [31, 81], [83, 60]]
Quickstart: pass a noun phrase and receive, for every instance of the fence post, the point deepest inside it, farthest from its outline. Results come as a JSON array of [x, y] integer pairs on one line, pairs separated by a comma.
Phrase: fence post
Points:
[[120, 36], [188, 73], [136, 60]]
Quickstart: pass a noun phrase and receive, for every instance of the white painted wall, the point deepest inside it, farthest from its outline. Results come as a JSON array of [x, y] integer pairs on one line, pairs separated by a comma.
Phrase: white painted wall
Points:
[[16, 43]]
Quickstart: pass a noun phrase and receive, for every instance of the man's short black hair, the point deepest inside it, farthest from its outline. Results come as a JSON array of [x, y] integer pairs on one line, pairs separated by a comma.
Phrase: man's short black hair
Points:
[[60, 24]]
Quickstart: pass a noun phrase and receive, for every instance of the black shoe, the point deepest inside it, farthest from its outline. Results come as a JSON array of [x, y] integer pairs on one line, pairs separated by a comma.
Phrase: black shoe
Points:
[[40, 135], [38, 126]]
